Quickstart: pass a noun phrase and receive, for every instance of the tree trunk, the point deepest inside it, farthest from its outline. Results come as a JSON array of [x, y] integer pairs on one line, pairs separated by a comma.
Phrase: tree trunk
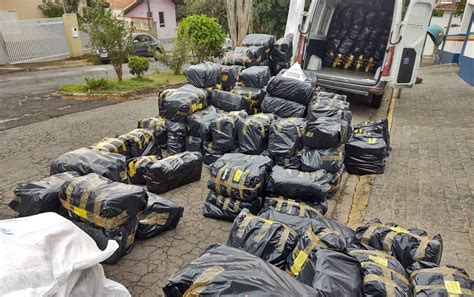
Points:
[[118, 71], [239, 14]]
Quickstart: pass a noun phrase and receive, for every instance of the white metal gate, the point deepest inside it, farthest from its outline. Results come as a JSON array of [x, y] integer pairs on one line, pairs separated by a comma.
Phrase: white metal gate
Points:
[[38, 40]]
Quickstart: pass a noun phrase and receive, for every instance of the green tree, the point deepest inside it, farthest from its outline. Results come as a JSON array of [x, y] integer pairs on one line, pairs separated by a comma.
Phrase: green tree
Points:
[[138, 65], [54, 9], [108, 32], [203, 35], [269, 16], [210, 8], [176, 59]]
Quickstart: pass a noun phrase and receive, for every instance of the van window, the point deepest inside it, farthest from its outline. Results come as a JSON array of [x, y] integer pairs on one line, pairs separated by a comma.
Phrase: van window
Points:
[[322, 20]]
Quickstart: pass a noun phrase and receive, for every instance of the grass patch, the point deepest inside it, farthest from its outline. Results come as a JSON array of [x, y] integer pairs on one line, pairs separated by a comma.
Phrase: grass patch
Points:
[[129, 84]]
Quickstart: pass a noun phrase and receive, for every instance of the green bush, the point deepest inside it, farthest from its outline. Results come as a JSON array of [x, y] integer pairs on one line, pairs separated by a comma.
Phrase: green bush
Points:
[[53, 9], [94, 84], [438, 13], [203, 35], [176, 59], [138, 65]]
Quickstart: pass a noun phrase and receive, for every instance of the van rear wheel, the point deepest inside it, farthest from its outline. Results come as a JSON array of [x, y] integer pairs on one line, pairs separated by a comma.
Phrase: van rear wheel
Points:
[[376, 101]]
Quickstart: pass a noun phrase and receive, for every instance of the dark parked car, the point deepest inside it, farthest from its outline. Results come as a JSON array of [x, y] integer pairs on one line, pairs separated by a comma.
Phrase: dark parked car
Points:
[[143, 45]]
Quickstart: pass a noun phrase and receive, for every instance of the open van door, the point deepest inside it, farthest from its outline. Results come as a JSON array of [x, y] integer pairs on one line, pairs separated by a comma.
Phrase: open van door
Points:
[[411, 38], [294, 21]]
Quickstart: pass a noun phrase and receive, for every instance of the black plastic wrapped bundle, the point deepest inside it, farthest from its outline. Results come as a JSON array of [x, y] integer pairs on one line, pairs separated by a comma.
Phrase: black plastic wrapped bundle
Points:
[[331, 160], [255, 77], [291, 162], [182, 102], [157, 126], [243, 57], [297, 224], [285, 136], [159, 215], [224, 130], [253, 94], [124, 235], [330, 54], [306, 186], [371, 18], [226, 208], [408, 245], [253, 133], [199, 123], [176, 142], [296, 208], [137, 168], [228, 101], [259, 40], [229, 76], [282, 49], [239, 176], [335, 180], [194, 144], [270, 240], [112, 145], [382, 274], [365, 154], [346, 47], [99, 201], [139, 142], [346, 14], [329, 107], [374, 127], [173, 172], [203, 75], [291, 89], [35, 197], [442, 281], [358, 15], [256, 54], [85, 161], [227, 271], [209, 153], [326, 133], [333, 272], [282, 108]]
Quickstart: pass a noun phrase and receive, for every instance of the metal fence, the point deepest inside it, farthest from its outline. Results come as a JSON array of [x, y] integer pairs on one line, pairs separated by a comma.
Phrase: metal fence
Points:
[[38, 40]]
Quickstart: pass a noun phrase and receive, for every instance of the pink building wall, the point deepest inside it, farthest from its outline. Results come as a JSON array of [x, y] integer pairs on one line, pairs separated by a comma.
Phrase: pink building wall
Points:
[[169, 10]]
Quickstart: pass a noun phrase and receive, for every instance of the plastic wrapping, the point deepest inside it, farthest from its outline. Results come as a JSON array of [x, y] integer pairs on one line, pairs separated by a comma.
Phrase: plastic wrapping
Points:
[[382, 274], [182, 102], [36, 197], [270, 240], [329, 105], [193, 143], [253, 133], [290, 162], [331, 160], [291, 89], [173, 172], [199, 123], [365, 154], [229, 76], [246, 56], [85, 161], [335, 179], [255, 77], [137, 168], [259, 40], [294, 184], [157, 126], [253, 94], [239, 176], [224, 130], [124, 235], [296, 208], [203, 75], [139, 142], [159, 215], [442, 281], [176, 142], [228, 101], [99, 201], [374, 127], [282, 49], [408, 245], [226, 208], [285, 136], [209, 153], [227, 271], [112, 145], [326, 133], [282, 108]]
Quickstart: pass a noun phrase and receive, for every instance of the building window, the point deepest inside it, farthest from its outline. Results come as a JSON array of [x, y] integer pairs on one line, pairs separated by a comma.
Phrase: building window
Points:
[[161, 17]]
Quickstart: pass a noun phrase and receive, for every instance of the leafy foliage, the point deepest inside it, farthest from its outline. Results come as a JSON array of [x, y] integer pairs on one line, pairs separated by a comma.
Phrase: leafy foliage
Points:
[[437, 13], [54, 9], [269, 16], [176, 59], [94, 84], [203, 35], [108, 32], [138, 65], [210, 8]]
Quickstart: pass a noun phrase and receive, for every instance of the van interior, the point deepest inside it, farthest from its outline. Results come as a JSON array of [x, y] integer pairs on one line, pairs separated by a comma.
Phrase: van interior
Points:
[[348, 39]]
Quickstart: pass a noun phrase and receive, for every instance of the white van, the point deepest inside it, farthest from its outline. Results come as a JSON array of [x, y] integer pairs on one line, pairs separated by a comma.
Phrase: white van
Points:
[[399, 63]]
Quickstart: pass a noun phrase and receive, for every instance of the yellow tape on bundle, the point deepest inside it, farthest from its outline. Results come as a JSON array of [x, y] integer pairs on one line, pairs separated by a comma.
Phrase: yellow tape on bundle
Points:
[[300, 260], [154, 218], [202, 281], [379, 260]]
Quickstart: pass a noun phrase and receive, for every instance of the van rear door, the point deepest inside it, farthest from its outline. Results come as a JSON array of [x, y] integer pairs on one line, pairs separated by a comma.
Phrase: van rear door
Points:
[[408, 51]]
